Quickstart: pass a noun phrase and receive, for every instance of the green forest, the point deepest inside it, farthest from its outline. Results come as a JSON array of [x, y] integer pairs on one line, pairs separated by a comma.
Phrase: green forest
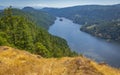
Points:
[[106, 30], [38, 17], [20, 32]]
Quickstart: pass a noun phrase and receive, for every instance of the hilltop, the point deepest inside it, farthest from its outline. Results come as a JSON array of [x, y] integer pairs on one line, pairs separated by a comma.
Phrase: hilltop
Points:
[[20, 62]]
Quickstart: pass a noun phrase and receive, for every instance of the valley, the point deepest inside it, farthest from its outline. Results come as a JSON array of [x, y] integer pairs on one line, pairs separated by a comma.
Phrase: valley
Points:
[[99, 20], [73, 40]]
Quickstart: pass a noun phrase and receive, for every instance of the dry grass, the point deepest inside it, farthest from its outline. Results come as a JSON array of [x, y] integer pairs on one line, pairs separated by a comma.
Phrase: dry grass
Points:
[[19, 62]]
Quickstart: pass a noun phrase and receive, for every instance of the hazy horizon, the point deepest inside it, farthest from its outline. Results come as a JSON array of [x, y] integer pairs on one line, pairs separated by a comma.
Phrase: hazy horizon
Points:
[[54, 3]]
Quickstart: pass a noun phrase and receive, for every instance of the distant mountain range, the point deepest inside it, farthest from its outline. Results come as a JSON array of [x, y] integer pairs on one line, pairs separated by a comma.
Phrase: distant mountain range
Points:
[[87, 13], [35, 7]]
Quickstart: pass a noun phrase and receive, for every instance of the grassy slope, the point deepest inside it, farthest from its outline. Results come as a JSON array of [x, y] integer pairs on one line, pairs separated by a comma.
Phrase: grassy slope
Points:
[[17, 62]]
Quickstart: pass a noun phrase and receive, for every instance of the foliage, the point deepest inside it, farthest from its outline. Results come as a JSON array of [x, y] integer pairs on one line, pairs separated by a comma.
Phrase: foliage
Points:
[[106, 30], [41, 50], [42, 19], [38, 17], [87, 14], [19, 32]]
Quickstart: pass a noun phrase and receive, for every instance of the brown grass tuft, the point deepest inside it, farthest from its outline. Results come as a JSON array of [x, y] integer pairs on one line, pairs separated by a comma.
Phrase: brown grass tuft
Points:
[[19, 62]]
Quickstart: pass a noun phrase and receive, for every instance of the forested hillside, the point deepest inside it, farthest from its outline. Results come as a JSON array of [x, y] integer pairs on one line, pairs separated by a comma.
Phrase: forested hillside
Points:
[[20, 32], [42, 19], [106, 30], [87, 14], [38, 17]]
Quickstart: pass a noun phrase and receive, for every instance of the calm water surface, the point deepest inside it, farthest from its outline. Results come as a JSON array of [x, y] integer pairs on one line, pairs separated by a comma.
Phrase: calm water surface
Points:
[[81, 42]]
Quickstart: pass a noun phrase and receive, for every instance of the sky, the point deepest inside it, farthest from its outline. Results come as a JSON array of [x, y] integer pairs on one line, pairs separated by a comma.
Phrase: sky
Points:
[[55, 3]]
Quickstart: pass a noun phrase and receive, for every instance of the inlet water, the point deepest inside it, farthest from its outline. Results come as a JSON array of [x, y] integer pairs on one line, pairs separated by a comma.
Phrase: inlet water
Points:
[[90, 46]]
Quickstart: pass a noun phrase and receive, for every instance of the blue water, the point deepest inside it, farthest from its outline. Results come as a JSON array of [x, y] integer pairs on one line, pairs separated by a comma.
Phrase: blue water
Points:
[[90, 46]]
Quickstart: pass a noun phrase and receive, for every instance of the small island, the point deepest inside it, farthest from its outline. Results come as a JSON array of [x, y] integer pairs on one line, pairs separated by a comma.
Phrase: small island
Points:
[[61, 19]]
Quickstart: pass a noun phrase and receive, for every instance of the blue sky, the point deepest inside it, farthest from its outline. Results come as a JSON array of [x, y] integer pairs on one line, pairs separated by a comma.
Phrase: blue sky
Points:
[[55, 3]]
